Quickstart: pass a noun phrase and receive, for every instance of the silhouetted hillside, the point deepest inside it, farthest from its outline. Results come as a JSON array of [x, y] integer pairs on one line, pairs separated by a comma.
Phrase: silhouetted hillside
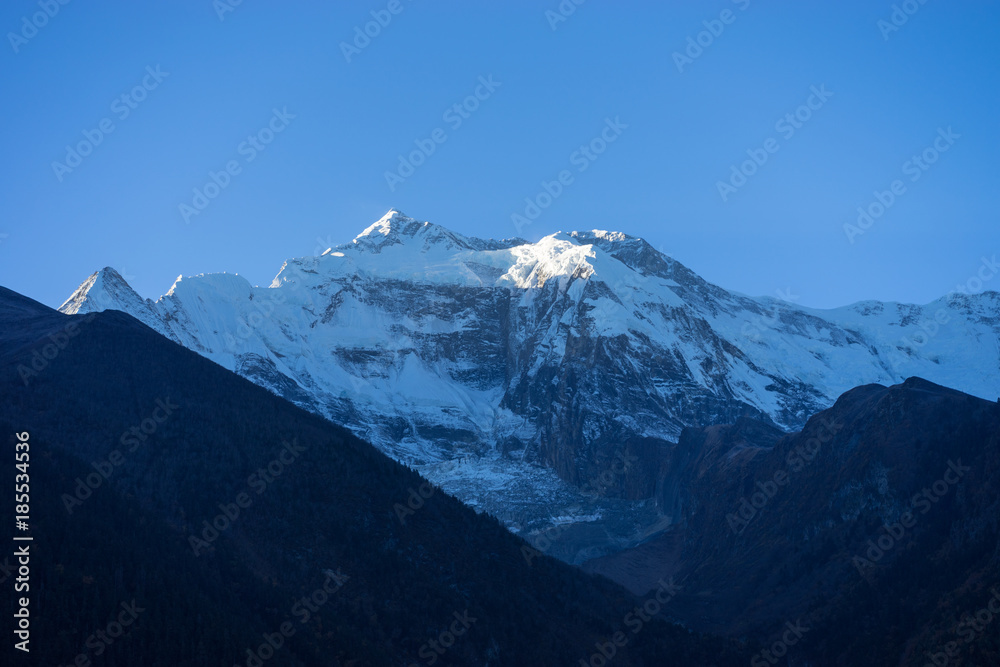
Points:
[[138, 446], [876, 526]]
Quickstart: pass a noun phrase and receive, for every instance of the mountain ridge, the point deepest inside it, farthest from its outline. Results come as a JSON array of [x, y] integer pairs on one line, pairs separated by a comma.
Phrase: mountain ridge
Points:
[[220, 540], [519, 358]]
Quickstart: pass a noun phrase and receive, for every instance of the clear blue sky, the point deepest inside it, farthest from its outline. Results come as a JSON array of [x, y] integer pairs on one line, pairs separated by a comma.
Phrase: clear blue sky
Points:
[[322, 178]]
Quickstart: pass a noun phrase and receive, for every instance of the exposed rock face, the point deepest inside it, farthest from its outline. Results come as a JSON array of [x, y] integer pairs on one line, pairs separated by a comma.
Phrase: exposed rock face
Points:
[[514, 373], [882, 512]]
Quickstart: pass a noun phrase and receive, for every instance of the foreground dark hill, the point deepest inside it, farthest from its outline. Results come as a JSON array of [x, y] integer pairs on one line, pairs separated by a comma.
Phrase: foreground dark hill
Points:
[[876, 526], [138, 445]]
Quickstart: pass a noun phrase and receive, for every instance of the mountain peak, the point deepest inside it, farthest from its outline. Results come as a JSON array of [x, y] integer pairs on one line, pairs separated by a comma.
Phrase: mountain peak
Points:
[[392, 222], [395, 228], [92, 294], [107, 290]]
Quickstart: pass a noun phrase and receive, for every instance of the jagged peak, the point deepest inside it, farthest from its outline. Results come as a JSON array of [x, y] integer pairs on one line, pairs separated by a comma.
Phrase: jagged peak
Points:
[[397, 228], [97, 288], [633, 251], [109, 273], [173, 288], [393, 221], [602, 234]]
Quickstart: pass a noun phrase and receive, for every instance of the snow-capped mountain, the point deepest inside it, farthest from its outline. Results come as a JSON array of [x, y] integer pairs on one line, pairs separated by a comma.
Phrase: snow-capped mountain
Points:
[[516, 374]]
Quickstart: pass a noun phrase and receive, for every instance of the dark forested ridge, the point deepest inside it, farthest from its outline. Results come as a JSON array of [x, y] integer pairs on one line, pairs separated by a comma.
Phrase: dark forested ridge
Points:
[[877, 527], [138, 445]]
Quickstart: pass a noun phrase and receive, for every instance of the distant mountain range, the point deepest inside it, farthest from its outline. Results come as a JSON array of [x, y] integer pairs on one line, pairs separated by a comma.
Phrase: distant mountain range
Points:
[[541, 381], [594, 395], [181, 515]]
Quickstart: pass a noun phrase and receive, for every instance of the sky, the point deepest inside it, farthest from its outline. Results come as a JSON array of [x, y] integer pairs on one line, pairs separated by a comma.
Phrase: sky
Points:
[[739, 137]]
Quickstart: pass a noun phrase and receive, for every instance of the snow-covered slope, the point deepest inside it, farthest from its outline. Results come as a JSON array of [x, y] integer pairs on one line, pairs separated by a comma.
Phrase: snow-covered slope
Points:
[[514, 373]]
